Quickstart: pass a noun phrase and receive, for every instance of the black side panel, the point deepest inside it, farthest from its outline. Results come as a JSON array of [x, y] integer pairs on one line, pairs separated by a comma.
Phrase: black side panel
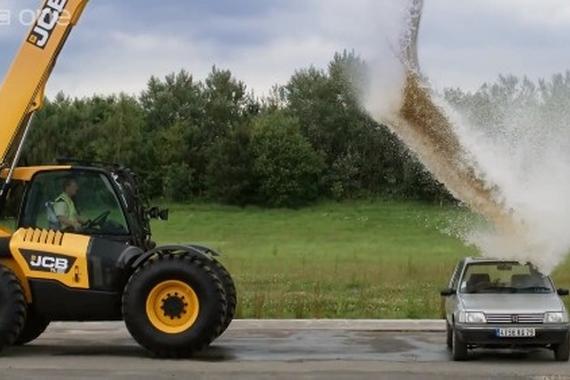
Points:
[[57, 302], [104, 260], [5, 247]]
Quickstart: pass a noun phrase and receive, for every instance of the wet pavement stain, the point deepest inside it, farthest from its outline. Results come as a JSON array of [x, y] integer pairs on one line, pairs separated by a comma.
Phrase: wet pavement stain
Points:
[[245, 354]]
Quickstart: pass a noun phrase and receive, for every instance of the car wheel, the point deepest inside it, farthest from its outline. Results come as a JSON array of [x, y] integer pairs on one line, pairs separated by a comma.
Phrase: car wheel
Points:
[[459, 350], [562, 351], [449, 337]]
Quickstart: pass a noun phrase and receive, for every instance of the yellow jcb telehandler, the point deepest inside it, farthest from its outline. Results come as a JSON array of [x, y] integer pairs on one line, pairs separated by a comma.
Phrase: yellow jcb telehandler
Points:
[[61, 264]]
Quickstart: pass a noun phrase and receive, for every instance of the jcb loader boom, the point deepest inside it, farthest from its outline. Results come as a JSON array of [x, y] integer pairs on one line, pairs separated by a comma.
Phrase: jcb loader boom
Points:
[[22, 92], [58, 263]]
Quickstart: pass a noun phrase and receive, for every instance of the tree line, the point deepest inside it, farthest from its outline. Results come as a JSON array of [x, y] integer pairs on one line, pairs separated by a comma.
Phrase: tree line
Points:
[[213, 139]]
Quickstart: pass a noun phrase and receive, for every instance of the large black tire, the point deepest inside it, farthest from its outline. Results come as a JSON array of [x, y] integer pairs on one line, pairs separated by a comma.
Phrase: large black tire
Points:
[[12, 308], [34, 327], [562, 351], [449, 336], [231, 293], [192, 271], [459, 351]]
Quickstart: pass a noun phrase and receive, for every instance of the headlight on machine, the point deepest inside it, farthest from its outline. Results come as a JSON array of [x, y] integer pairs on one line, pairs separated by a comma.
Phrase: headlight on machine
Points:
[[558, 317], [472, 317]]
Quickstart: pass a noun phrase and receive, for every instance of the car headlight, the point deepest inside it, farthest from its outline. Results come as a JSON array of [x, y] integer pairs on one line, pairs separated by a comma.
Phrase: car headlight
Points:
[[472, 317], [558, 317]]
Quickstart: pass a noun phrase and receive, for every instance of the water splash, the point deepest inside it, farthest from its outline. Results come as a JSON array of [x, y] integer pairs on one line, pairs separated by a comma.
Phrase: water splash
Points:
[[501, 176]]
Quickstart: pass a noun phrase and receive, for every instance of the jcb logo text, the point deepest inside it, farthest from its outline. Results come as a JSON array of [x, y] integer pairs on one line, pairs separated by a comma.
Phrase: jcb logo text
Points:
[[47, 21], [53, 264]]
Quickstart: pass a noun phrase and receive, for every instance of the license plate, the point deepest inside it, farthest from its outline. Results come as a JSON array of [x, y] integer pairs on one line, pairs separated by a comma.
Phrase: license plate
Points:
[[516, 333]]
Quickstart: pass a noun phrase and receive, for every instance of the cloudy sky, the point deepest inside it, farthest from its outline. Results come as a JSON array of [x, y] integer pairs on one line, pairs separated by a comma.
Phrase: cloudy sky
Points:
[[119, 44]]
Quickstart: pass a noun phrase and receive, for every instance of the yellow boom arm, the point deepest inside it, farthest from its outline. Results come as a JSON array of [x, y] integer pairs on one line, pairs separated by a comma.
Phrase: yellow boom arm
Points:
[[22, 92]]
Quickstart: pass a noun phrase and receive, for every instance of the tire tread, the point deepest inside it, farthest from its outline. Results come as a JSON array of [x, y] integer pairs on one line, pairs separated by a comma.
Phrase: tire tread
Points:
[[16, 317], [231, 293], [216, 325]]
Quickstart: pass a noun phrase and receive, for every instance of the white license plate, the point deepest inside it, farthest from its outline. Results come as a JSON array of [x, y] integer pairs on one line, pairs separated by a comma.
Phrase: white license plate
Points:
[[516, 333]]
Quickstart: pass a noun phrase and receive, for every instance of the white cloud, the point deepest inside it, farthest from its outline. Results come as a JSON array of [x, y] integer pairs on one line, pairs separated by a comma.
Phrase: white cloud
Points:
[[550, 13], [467, 43], [463, 42], [292, 39], [15, 11]]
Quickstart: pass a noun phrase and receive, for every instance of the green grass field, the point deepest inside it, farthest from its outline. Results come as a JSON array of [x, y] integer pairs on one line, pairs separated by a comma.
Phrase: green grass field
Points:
[[378, 259]]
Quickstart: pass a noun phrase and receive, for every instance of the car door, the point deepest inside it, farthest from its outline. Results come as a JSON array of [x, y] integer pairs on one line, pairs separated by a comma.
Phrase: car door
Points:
[[451, 301]]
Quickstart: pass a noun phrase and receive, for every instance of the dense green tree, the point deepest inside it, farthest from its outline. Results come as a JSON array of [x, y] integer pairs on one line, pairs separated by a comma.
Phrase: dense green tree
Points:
[[286, 166], [177, 181], [307, 139], [125, 126], [177, 98], [230, 174], [362, 157]]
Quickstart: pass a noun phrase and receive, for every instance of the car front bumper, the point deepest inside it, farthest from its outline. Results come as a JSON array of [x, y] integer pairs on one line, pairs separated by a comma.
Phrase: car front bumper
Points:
[[486, 335]]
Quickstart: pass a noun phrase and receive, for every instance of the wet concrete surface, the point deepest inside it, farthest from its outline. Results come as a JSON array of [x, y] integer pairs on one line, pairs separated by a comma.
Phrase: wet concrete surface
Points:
[[105, 350]]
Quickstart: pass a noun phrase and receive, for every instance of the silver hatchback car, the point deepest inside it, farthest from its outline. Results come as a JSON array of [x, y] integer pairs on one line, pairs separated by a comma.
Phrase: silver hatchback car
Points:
[[501, 304]]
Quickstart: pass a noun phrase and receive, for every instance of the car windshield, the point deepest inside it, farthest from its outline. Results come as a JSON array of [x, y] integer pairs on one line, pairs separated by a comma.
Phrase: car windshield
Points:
[[502, 277]]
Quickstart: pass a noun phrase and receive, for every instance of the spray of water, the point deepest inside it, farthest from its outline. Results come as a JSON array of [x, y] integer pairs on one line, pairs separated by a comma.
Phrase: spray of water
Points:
[[512, 175]]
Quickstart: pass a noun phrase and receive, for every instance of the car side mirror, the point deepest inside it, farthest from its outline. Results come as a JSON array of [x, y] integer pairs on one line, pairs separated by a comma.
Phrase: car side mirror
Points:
[[158, 213], [448, 292], [563, 292]]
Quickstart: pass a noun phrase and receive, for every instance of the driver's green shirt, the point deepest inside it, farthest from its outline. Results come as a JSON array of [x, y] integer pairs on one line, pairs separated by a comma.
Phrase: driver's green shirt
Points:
[[65, 207]]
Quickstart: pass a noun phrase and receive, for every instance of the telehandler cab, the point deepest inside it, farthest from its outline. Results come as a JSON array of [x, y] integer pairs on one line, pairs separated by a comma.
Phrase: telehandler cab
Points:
[[174, 299]]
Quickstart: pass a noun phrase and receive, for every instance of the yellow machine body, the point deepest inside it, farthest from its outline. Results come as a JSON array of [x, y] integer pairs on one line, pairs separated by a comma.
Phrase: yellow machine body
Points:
[[89, 255]]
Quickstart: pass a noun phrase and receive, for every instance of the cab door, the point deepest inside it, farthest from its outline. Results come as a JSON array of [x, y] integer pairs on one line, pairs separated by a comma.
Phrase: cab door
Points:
[[78, 255], [76, 266]]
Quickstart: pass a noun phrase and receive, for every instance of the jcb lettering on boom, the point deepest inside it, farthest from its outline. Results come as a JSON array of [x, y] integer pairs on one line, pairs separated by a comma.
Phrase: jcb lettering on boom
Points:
[[47, 21]]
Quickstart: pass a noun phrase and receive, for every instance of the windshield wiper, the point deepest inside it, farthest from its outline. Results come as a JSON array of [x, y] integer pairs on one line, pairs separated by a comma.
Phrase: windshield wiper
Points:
[[535, 289], [494, 289]]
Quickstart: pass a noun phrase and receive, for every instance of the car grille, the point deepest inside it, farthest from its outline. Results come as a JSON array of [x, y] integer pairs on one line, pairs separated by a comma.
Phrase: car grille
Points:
[[515, 319]]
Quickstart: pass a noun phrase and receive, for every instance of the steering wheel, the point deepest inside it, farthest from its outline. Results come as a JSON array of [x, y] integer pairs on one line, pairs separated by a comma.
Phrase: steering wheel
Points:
[[98, 221]]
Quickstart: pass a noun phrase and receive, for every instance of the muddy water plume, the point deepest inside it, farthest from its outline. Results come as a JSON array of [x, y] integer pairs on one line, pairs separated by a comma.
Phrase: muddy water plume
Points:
[[511, 174]]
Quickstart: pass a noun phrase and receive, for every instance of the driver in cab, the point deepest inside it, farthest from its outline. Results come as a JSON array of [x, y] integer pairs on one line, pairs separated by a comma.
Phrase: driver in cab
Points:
[[64, 207]]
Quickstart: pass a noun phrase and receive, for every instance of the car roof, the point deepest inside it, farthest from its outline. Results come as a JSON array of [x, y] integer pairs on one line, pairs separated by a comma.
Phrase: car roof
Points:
[[469, 260], [489, 260]]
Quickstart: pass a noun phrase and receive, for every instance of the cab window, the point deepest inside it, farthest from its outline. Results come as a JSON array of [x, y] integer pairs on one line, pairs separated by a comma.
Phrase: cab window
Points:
[[74, 201], [11, 208]]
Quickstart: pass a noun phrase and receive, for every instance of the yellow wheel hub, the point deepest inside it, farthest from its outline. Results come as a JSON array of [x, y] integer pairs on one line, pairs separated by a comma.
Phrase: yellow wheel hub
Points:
[[172, 306]]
